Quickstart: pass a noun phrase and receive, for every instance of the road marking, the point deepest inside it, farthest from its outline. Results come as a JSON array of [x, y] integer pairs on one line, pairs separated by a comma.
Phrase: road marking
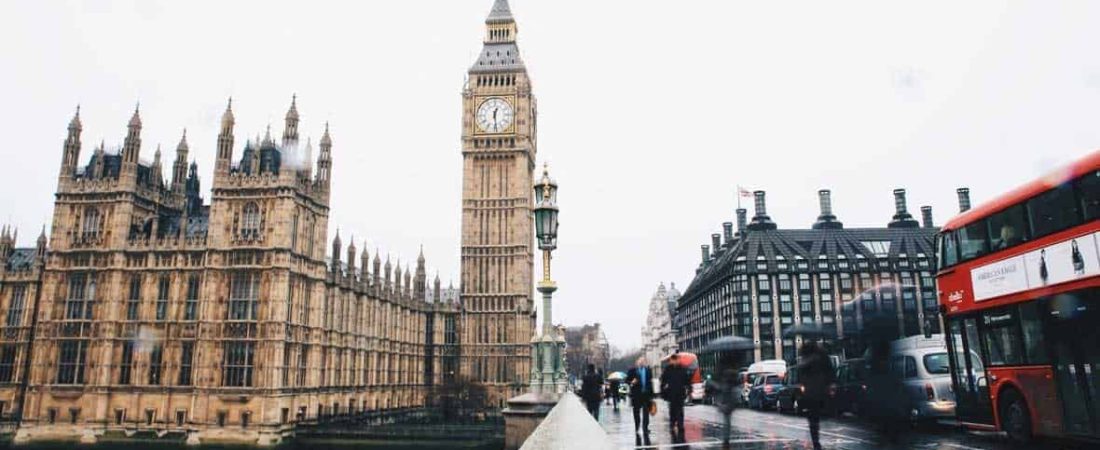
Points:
[[714, 442], [961, 446], [807, 429]]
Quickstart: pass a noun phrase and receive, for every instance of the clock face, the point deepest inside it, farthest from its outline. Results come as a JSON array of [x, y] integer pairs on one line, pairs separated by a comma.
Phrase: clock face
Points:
[[494, 115]]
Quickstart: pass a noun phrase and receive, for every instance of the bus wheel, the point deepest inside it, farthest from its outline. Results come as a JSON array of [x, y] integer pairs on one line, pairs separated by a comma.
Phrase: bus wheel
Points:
[[1015, 418]]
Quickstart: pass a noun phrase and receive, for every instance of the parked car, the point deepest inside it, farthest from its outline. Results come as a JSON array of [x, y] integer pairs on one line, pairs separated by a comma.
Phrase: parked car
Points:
[[850, 387], [769, 366], [765, 391], [790, 393], [923, 366]]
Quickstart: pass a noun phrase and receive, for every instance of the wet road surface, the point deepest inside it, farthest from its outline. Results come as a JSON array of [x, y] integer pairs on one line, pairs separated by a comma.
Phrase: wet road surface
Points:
[[753, 430]]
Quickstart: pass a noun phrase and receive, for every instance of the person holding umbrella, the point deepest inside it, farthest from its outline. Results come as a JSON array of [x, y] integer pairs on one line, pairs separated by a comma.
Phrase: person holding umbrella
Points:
[[727, 388], [675, 387], [614, 381]]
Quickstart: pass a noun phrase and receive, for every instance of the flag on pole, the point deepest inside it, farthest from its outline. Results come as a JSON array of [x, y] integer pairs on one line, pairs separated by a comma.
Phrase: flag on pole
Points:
[[742, 193]]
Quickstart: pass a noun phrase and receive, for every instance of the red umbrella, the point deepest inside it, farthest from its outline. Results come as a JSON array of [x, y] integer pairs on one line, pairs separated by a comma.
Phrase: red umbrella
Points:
[[688, 361]]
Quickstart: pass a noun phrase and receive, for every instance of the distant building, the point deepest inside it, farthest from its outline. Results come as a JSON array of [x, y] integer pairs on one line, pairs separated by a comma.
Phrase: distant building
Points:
[[763, 280], [658, 333], [447, 296], [586, 345]]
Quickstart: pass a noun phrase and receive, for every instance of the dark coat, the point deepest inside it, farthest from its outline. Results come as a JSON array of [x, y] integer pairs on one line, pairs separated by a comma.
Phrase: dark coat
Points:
[[675, 384], [639, 390], [591, 387], [816, 374]]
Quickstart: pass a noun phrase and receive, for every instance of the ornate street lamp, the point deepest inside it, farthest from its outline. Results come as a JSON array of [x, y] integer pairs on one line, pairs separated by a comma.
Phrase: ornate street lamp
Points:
[[549, 349]]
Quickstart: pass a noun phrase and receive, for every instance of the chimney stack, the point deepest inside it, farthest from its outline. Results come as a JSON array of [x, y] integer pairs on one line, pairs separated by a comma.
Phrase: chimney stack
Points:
[[964, 199], [742, 221], [760, 205], [902, 218], [826, 219], [727, 231], [716, 243], [926, 216], [705, 253], [761, 221], [899, 201], [824, 197]]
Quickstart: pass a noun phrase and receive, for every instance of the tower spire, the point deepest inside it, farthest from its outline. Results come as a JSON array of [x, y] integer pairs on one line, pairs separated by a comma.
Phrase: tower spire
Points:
[[70, 156], [225, 143], [290, 132], [179, 168]]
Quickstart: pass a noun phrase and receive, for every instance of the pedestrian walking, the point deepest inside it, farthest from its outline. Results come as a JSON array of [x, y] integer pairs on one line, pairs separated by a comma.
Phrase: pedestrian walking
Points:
[[640, 379], [725, 390], [614, 385], [675, 386], [591, 388], [816, 373]]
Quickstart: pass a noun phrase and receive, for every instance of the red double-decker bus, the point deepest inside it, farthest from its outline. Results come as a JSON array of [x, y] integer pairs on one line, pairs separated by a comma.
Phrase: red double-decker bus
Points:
[[1019, 286]]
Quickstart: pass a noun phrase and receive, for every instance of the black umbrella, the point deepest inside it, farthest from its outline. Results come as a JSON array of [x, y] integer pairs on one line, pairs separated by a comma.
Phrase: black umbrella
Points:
[[806, 329], [730, 344]]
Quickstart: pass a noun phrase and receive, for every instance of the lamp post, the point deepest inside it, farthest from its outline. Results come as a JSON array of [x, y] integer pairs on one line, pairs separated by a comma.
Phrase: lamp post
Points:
[[548, 370]]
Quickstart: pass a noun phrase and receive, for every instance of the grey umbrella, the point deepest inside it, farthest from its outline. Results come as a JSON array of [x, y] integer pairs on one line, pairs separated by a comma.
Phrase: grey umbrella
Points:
[[806, 329], [729, 344]]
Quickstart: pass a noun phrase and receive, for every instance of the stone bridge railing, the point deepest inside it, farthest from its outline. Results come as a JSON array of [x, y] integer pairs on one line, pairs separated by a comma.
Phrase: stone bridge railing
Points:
[[568, 426]]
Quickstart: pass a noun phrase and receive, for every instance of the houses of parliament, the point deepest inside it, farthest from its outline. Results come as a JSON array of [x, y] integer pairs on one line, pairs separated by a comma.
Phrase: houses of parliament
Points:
[[146, 308]]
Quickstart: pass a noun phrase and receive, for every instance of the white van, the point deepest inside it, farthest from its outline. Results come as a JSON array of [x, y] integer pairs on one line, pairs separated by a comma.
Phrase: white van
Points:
[[767, 366]]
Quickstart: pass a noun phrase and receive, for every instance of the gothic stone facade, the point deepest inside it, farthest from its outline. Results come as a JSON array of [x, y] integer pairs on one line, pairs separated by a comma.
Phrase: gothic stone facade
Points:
[[151, 311], [658, 335], [498, 148]]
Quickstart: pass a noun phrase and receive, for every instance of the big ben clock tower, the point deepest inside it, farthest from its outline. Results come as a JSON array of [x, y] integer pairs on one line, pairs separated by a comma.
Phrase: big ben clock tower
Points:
[[498, 152]]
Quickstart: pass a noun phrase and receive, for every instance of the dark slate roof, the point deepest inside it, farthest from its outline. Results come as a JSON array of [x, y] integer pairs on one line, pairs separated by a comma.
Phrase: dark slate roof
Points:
[[21, 259], [810, 245], [197, 226], [498, 57]]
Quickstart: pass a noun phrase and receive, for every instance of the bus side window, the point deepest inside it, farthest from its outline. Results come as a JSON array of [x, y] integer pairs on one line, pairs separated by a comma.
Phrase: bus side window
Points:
[[1053, 211], [1088, 187], [1008, 228], [1031, 323], [949, 250], [974, 240]]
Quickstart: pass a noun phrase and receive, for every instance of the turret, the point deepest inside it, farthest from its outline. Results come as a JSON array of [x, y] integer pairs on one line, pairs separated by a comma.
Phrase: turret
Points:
[[408, 282], [420, 283], [336, 254], [71, 150], [398, 289], [377, 271], [436, 291], [225, 142], [40, 248], [388, 281], [290, 133], [364, 263], [179, 168], [324, 161], [131, 148], [157, 178], [351, 259], [7, 245]]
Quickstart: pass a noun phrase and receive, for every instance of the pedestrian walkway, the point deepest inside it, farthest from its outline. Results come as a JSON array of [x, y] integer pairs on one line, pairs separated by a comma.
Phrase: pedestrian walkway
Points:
[[702, 430]]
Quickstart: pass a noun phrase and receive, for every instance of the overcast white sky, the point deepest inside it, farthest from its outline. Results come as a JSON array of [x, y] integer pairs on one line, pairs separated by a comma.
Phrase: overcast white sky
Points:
[[651, 112]]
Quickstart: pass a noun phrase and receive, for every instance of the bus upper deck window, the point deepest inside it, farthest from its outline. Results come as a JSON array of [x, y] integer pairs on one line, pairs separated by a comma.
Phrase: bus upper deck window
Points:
[[973, 240], [949, 250], [1053, 211], [1088, 187]]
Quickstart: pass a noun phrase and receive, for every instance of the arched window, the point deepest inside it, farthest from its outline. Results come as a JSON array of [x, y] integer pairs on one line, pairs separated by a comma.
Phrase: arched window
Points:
[[250, 225], [89, 230]]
